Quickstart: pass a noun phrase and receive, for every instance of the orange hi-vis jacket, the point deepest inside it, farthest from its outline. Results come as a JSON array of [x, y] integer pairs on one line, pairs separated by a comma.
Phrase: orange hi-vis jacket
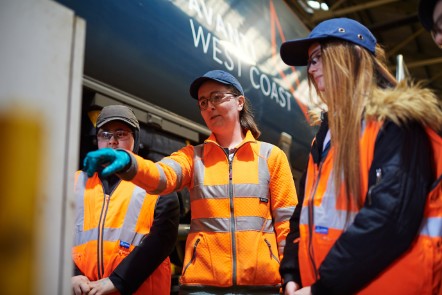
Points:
[[432, 224], [240, 209], [323, 221], [108, 227]]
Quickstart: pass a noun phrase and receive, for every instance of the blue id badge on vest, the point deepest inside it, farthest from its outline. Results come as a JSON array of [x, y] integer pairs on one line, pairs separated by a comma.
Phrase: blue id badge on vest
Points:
[[125, 245], [321, 229]]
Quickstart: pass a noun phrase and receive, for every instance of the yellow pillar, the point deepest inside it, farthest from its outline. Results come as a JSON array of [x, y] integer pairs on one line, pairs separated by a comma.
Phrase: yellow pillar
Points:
[[20, 164]]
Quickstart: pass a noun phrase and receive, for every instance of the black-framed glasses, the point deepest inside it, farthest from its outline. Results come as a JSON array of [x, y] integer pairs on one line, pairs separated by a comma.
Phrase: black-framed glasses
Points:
[[118, 135], [215, 98]]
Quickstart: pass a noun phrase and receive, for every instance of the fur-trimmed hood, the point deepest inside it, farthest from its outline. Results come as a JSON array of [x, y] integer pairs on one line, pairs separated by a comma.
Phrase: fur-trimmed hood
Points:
[[405, 103]]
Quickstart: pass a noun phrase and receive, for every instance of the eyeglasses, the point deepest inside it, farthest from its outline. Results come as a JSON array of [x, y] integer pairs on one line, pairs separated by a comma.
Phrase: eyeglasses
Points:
[[215, 99], [120, 135], [313, 60]]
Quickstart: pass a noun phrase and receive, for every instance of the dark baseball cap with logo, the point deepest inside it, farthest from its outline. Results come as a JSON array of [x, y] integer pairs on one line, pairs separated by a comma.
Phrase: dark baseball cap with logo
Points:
[[215, 75], [295, 52]]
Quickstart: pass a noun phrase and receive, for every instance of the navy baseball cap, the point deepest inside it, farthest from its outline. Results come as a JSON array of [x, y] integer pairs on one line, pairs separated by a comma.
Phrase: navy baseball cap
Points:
[[295, 52], [218, 76], [425, 13]]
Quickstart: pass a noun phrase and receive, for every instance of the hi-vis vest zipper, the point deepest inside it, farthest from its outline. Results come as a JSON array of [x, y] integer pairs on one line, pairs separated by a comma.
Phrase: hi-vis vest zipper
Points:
[[108, 227]]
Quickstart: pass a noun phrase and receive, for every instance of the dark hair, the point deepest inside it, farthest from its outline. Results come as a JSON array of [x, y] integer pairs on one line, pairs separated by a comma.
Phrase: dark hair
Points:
[[246, 117]]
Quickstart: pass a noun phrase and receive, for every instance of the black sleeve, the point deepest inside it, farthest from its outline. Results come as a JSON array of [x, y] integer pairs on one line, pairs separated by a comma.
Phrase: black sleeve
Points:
[[77, 271], [289, 268], [154, 248], [390, 218]]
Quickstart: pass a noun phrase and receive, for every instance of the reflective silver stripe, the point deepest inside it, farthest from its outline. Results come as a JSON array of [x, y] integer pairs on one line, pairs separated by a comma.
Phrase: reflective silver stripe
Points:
[[280, 214], [242, 190], [210, 225], [263, 169], [79, 188], [247, 223], [283, 214], [281, 246], [209, 192], [431, 226], [131, 237], [251, 190], [86, 236], [243, 223], [326, 215], [109, 235], [162, 182], [176, 168], [128, 233], [221, 191], [198, 165]]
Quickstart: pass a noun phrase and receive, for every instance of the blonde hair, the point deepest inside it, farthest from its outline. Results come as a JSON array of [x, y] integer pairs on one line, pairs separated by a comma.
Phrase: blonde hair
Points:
[[351, 73]]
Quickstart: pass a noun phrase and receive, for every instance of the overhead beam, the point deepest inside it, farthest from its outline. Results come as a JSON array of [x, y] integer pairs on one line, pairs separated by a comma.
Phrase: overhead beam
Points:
[[322, 15], [337, 4], [393, 24], [421, 63], [404, 42], [434, 78], [425, 62]]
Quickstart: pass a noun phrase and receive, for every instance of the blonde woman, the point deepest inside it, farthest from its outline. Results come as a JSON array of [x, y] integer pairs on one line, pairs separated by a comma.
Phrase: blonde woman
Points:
[[371, 220]]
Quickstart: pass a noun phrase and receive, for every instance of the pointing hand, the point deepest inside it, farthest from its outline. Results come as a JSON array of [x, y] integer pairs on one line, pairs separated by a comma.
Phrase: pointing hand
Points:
[[116, 160]]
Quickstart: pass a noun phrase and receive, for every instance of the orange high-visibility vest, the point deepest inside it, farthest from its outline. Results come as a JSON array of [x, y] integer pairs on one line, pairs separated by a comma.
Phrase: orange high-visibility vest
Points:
[[240, 210], [419, 268], [108, 227], [432, 223]]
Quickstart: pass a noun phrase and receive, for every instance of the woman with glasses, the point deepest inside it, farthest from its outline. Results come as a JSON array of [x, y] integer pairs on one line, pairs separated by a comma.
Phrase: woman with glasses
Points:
[[123, 236], [371, 218], [242, 194]]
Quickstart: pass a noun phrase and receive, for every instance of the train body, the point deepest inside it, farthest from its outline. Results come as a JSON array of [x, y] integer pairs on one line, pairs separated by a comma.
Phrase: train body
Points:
[[146, 53]]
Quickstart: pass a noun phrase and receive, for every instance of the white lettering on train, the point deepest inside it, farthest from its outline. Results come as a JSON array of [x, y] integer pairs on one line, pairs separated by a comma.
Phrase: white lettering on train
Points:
[[269, 88], [220, 47]]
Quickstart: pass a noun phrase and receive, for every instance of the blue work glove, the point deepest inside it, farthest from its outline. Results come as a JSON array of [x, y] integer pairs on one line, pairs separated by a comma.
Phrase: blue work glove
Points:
[[116, 160]]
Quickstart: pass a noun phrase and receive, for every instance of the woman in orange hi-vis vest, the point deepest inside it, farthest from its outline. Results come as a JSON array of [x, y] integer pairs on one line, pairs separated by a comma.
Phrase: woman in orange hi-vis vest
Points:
[[242, 193], [371, 219], [123, 236]]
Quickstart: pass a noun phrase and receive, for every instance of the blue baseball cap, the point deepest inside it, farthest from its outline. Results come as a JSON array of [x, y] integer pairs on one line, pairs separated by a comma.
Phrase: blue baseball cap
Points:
[[295, 52], [218, 76]]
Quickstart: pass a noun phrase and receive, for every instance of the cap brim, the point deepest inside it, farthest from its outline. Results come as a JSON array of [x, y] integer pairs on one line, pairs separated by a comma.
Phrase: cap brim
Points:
[[116, 119], [193, 90], [295, 52]]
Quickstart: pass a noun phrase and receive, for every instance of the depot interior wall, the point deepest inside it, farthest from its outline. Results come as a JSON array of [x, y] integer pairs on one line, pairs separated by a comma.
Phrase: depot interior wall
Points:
[[42, 46]]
